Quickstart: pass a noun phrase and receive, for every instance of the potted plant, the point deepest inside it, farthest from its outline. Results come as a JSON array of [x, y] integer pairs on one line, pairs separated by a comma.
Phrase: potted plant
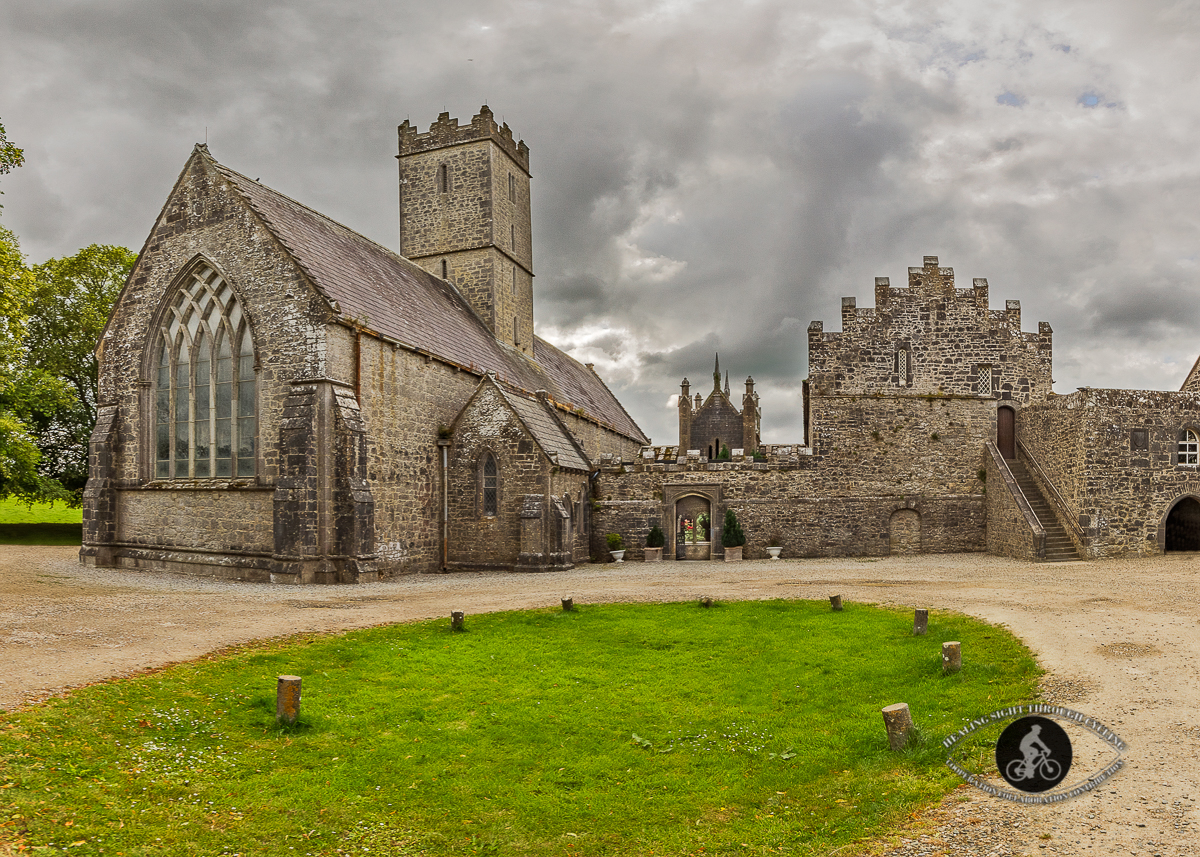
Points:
[[732, 538], [616, 546], [654, 544], [774, 546]]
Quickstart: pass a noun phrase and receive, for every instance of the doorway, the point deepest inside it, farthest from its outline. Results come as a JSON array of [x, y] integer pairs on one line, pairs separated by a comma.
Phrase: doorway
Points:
[[1183, 526], [904, 532], [1006, 432], [693, 528]]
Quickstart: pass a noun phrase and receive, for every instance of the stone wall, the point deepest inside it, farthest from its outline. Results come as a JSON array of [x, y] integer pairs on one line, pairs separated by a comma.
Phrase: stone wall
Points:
[[488, 425], [931, 338], [465, 216], [1012, 527], [813, 512], [1120, 488]]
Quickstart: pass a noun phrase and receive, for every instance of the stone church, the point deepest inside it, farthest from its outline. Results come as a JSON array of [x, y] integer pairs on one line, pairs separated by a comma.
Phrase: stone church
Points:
[[282, 399]]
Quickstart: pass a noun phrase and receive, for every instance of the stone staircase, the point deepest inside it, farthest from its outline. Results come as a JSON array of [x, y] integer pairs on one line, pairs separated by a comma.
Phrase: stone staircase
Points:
[[1059, 547]]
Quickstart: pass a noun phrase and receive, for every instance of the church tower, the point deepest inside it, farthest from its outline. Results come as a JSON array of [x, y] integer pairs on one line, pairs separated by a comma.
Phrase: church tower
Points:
[[464, 216]]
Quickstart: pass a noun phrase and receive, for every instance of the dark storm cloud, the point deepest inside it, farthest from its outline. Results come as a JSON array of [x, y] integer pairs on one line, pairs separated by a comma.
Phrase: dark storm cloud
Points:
[[707, 176]]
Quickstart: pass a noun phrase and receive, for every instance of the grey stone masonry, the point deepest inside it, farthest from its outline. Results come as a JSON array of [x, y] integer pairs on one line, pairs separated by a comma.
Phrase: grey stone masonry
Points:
[[931, 338], [465, 217]]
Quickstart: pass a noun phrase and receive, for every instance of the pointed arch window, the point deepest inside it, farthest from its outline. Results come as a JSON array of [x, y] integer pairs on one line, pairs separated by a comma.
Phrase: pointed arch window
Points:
[[204, 388], [490, 485]]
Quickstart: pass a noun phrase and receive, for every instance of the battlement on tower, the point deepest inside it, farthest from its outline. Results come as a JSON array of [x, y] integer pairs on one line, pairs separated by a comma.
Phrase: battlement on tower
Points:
[[446, 132]]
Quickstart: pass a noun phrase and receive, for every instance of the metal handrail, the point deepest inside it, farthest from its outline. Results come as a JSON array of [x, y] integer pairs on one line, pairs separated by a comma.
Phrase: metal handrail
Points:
[[1063, 509]]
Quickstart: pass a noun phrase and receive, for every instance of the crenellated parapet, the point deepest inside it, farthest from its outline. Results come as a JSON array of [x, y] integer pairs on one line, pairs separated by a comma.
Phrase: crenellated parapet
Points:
[[446, 132], [931, 338]]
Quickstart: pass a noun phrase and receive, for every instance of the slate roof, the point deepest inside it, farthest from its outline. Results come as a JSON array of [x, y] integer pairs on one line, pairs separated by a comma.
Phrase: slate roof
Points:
[[387, 293], [546, 430]]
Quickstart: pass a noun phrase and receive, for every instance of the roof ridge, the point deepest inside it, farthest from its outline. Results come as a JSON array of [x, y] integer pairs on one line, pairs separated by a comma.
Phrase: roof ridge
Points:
[[608, 389]]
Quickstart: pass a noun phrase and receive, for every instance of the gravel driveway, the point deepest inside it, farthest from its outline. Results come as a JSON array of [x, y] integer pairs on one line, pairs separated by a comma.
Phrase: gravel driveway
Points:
[[1119, 638]]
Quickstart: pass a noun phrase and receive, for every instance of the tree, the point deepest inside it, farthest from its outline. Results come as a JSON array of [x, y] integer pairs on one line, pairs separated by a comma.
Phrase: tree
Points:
[[732, 535], [10, 156], [68, 308], [19, 454]]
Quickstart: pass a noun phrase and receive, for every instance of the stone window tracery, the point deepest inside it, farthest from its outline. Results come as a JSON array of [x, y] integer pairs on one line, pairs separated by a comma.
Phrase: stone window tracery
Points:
[[1189, 448], [205, 389]]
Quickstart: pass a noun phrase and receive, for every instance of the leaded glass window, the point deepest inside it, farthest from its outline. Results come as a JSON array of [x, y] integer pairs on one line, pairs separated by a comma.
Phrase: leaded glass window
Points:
[[204, 390], [490, 503], [983, 380]]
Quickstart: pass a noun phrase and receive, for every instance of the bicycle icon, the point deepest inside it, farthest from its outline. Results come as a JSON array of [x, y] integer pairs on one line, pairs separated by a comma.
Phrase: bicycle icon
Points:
[[1042, 767], [1033, 754]]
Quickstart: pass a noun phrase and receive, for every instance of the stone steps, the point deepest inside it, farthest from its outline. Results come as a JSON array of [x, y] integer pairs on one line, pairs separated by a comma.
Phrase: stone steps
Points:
[[1059, 547]]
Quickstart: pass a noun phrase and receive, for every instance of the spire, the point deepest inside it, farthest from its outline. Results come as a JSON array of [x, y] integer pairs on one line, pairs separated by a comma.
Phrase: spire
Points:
[[726, 383], [717, 375]]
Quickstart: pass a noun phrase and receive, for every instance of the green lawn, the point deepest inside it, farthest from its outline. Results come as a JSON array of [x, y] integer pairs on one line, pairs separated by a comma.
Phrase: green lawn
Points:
[[616, 729], [39, 524]]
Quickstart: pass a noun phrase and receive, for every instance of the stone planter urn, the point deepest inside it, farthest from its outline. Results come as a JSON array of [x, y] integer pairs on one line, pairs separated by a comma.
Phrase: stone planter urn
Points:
[[775, 552], [653, 554], [618, 556], [733, 554]]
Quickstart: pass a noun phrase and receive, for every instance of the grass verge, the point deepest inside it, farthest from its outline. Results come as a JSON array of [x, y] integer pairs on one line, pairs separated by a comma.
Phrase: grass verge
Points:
[[39, 524], [616, 729]]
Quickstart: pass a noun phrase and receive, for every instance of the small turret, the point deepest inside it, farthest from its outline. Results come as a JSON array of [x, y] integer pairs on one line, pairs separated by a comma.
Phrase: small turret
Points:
[[726, 383]]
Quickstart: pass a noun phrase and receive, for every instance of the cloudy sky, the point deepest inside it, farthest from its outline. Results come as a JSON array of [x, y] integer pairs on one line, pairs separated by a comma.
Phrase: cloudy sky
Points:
[[707, 175]]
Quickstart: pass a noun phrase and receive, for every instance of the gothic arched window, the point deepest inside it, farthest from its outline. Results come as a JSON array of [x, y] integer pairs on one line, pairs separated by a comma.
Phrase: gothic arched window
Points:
[[490, 485], [204, 389]]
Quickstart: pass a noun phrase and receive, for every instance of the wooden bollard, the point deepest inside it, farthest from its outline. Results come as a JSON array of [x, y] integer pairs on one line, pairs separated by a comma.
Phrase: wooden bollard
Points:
[[835, 601], [706, 602], [568, 605], [951, 657], [920, 622], [898, 722], [456, 620], [287, 699]]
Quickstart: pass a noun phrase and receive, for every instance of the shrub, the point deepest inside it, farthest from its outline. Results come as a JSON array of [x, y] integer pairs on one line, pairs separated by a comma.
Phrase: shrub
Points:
[[724, 454], [655, 539], [733, 537], [615, 542]]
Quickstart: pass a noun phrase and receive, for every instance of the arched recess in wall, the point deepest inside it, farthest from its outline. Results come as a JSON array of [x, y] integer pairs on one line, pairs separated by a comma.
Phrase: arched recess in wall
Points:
[[693, 527], [199, 359], [1006, 432], [904, 532], [1181, 526]]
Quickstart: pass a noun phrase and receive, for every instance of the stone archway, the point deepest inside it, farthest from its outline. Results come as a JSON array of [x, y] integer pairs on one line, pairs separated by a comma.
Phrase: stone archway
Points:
[[904, 532], [1183, 526], [693, 527]]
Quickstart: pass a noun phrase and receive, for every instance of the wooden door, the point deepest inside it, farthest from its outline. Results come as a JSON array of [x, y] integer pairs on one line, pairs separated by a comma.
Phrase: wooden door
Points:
[[1006, 432]]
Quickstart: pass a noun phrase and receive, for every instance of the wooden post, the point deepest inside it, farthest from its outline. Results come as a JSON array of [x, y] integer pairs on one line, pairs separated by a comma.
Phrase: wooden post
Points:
[[835, 601], [568, 605], [898, 722], [287, 699], [456, 620], [951, 657], [706, 602], [920, 622]]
